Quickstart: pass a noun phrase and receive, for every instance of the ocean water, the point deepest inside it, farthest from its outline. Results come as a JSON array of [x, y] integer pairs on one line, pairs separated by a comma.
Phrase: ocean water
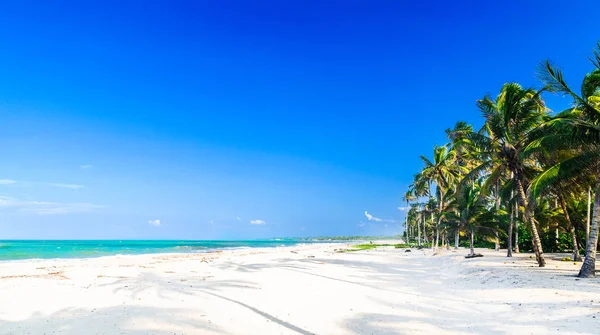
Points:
[[31, 249]]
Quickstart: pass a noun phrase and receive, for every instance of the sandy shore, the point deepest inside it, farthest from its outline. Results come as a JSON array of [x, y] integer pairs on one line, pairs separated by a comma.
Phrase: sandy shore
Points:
[[298, 290]]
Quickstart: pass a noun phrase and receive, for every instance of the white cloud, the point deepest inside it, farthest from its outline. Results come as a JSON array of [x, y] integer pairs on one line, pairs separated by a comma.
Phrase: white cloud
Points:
[[32, 184], [47, 207], [87, 166], [402, 209], [376, 219], [71, 186], [238, 218], [371, 217], [154, 223], [258, 222]]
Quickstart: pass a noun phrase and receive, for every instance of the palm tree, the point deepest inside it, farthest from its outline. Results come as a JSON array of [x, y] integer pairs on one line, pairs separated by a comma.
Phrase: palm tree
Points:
[[578, 129], [408, 197], [473, 214], [563, 192], [443, 172], [528, 168], [420, 188], [510, 119], [413, 216], [464, 155], [510, 203]]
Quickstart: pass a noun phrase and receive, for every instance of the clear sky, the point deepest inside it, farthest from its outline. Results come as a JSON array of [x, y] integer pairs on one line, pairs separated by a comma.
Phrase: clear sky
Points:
[[247, 119]]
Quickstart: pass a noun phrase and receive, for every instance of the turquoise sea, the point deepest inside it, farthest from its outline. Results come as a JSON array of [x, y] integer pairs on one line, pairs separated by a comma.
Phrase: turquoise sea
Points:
[[31, 249]]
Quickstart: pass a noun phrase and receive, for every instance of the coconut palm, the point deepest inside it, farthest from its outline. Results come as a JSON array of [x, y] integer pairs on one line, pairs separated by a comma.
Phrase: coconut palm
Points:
[[473, 214], [578, 129], [460, 144], [528, 168], [420, 188], [413, 217], [443, 172], [510, 119], [563, 192], [408, 197]]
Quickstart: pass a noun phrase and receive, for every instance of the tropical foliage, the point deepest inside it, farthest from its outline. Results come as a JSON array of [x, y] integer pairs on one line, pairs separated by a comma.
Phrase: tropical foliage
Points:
[[524, 180]]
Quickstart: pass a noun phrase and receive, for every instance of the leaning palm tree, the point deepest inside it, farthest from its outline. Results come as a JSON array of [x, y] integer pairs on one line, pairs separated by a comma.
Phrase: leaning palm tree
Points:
[[563, 192], [510, 119], [577, 129]]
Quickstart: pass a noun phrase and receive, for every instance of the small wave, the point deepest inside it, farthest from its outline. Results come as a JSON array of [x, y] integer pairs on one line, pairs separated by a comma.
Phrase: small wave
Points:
[[189, 247]]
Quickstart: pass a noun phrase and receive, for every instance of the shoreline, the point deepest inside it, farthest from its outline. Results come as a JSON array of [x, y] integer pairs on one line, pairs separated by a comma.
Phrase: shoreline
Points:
[[233, 251], [194, 251], [309, 289]]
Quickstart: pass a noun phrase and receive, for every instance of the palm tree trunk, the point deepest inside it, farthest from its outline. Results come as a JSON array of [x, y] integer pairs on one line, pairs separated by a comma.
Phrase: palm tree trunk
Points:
[[535, 237], [516, 228], [433, 230], [556, 246], [418, 231], [471, 243], [424, 229], [576, 257], [588, 269], [456, 238], [587, 223], [497, 242], [439, 220], [411, 228], [511, 219]]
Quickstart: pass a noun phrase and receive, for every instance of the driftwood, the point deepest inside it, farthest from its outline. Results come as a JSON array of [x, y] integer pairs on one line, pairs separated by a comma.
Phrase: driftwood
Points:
[[473, 256], [407, 250]]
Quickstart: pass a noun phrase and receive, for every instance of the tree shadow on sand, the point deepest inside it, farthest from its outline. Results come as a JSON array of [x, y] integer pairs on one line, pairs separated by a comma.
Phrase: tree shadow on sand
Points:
[[131, 320], [173, 288], [436, 320]]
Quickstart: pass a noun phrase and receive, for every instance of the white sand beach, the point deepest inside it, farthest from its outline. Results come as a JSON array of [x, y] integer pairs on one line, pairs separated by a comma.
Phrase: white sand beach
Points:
[[306, 289]]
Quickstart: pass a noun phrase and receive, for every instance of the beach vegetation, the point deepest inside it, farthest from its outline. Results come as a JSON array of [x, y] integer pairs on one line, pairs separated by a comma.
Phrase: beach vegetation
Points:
[[525, 178]]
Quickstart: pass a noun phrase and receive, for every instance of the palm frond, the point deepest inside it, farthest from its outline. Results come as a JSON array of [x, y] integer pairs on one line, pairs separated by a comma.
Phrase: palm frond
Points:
[[596, 58], [563, 172], [590, 84]]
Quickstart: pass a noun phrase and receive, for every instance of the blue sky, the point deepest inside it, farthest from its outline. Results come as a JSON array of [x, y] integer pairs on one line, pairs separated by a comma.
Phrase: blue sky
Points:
[[248, 119]]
